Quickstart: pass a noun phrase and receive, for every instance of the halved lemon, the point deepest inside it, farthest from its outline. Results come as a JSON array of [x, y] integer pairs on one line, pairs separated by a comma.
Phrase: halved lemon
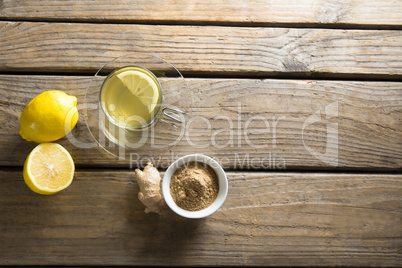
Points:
[[48, 169], [142, 85]]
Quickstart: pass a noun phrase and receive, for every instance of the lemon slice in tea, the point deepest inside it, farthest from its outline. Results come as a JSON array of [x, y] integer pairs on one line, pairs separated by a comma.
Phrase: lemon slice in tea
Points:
[[141, 85], [48, 169], [130, 96]]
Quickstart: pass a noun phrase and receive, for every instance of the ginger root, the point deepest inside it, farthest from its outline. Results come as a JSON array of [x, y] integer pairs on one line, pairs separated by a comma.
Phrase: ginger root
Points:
[[149, 181]]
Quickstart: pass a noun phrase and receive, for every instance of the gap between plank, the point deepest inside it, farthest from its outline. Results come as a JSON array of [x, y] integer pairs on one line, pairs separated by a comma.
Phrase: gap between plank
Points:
[[368, 171], [244, 75], [335, 26]]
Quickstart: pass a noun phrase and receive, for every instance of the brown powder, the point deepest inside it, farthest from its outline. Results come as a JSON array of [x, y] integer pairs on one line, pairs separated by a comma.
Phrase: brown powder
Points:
[[194, 186]]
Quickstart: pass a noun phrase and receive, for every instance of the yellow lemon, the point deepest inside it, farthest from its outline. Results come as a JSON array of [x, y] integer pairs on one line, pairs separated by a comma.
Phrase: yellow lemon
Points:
[[48, 117], [48, 169]]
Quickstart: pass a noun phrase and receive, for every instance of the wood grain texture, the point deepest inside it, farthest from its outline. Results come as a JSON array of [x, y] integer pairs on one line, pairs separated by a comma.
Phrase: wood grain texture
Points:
[[242, 123], [267, 219], [380, 12], [240, 51]]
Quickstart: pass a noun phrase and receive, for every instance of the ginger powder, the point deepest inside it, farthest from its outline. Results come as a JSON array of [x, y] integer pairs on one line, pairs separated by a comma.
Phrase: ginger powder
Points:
[[194, 186]]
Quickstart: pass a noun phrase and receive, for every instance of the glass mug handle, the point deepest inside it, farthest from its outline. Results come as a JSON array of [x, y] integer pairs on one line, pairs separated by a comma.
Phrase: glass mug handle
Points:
[[171, 116]]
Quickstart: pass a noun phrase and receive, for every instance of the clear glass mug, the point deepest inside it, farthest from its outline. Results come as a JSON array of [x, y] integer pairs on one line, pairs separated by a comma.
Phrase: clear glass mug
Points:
[[123, 119]]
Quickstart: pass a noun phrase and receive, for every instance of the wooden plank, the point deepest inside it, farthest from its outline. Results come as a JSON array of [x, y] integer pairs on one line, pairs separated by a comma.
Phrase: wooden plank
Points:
[[242, 123], [240, 51], [360, 12], [268, 218]]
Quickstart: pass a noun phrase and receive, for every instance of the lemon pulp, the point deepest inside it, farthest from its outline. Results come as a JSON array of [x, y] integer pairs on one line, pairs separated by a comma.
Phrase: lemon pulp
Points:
[[130, 96], [48, 169]]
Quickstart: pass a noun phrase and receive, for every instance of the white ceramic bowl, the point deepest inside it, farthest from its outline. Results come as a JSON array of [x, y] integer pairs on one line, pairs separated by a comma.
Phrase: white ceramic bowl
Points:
[[223, 186]]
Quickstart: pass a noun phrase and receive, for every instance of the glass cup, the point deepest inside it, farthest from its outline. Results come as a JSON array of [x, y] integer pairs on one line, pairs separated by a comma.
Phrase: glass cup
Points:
[[126, 117], [118, 122]]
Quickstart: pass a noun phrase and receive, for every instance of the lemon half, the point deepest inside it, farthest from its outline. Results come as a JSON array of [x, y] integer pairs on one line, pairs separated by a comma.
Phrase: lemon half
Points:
[[48, 169]]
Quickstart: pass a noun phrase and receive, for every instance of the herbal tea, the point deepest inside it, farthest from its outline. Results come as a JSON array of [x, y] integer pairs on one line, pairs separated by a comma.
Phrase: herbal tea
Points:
[[131, 97]]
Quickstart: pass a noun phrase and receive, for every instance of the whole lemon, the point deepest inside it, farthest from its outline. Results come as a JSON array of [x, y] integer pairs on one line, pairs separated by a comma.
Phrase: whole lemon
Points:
[[48, 117]]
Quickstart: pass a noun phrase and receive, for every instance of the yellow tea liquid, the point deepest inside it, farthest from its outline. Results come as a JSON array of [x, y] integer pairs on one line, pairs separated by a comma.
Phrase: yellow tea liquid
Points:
[[131, 97]]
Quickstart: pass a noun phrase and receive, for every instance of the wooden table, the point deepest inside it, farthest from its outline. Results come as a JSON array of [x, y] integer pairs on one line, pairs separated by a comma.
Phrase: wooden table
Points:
[[300, 101]]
